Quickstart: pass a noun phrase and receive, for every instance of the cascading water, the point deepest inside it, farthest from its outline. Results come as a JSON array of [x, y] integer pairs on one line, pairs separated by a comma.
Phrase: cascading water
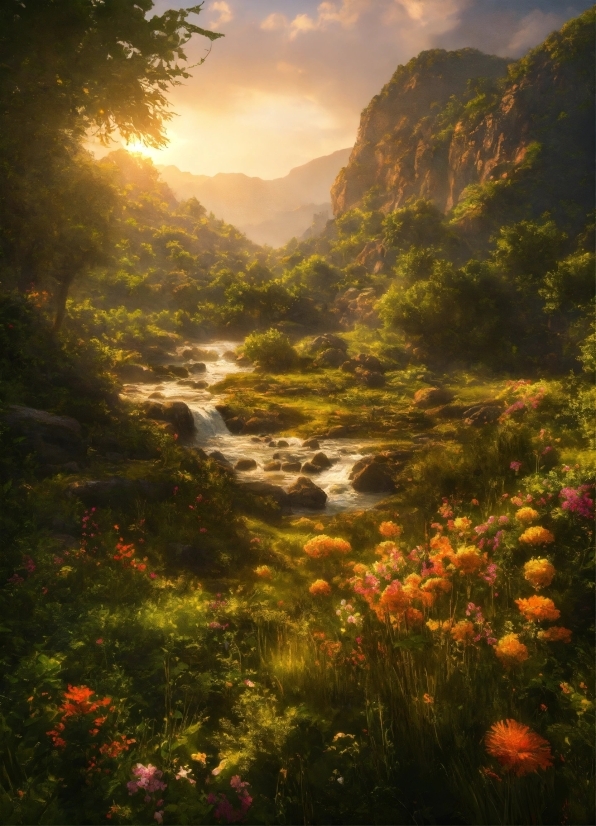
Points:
[[213, 435]]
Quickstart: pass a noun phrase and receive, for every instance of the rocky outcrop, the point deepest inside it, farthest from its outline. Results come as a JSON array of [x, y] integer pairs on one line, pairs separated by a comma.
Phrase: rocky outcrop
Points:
[[54, 440], [305, 494], [178, 414], [444, 124]]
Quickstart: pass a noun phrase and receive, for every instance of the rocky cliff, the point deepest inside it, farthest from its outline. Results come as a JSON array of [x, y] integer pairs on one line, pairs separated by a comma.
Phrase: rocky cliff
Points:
[[463, 128]]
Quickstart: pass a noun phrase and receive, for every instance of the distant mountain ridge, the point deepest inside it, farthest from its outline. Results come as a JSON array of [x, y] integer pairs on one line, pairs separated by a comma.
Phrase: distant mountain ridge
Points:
[[268, 211]]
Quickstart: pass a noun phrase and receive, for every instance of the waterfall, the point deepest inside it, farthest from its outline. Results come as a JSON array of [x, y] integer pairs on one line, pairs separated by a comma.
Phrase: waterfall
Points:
[[208, 422]]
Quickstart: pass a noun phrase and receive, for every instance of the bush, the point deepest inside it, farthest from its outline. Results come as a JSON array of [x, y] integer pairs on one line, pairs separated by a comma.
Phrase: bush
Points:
[[270, 350]]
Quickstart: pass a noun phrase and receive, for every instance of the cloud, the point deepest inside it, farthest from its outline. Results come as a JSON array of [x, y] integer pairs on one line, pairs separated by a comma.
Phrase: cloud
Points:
[[225, 13], [535, 27], [274, 22]]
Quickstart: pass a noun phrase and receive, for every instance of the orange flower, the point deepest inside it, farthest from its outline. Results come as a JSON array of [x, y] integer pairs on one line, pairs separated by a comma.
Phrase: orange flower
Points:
[[320, 588], [394, 599], [537, 608], [263, 571], [436, 583], [467, 559], [441, 546], [322, 546], [539, 572], [414, 617], [526, 515], [518, 748], [389, 530], [462, 524], [536, 536], [429, 699], [555, 634], [511, 651], [463, 631]]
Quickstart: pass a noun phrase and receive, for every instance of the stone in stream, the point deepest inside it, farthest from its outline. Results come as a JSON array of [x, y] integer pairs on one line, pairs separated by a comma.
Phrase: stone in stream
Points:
[[229, 355], [177, 370], [157, 395], [283, 443], [235, 424], [305, 494], [309, 467], [221, 460], [245, 464], [265, 490], [196, 385], [373, 478], [321, 461], [339, 431], [176, 413], [311, 444], [197, 367], [272, 466], [291, 467]]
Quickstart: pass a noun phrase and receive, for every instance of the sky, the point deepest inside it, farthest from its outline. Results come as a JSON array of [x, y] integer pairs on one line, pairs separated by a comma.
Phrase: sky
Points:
[[290, 78]]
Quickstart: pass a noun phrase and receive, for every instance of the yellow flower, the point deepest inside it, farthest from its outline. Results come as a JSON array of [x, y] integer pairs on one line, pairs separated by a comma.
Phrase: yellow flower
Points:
[[555, 634], [433, 625], [536, 536], [537, 608], [526, 515], [320, 588], [463, 631], [462, 524], [263, 571], [510, 650], [539, 572], [467, 559], [200, 757]]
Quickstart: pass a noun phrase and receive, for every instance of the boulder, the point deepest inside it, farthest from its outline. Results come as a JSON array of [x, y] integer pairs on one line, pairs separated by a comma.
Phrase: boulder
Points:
[[327, 342], [196, 385], [197, 367], [311, 444], [349, 366], [245, 464], [373, 478], [270, 467], [331, 358], [368, 362], [305, 494], [235, 424], [308, 467], [116, 490], [373, 379], [339, 431], [265, 490], [229, 355], [291, 467], [256, 424], [283, 443], [221, 460], [156, 395], [177, 370], [187, 353], [432, 397], [321, 461], [53, 439], [135, 373], [176, 413]]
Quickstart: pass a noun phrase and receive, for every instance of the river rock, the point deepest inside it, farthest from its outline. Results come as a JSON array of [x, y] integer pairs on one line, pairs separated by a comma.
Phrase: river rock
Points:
[[330, 358], [291, 467], [243, 361], [135, 373], [283, 443], [156, 395], [311, 444], [305, 494], [221, 460], [266, 490], [309, 467], [256, 424], [196, 385], [245, 464], [229, 355], [321, 461], [197, 367], [53, 439], [432, 397], [270, 467], [178, 370], [187, 353], [373, 478], [177, 413], [235, 424], [339, 431]]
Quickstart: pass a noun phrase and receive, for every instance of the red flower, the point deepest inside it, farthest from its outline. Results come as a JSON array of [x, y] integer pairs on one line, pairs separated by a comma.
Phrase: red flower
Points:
[[518, 748]]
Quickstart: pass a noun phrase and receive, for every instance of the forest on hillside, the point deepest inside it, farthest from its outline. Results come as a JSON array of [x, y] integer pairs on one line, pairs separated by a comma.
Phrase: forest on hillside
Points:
[[305, 534]]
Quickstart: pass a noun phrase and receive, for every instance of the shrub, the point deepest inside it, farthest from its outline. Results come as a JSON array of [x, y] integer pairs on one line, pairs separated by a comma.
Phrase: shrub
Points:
[[270, 350]]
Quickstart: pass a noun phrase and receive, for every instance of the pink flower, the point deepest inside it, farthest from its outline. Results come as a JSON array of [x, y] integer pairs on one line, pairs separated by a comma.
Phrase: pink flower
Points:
[[99, 641], [515, 466], [158, 816], [249, 683]]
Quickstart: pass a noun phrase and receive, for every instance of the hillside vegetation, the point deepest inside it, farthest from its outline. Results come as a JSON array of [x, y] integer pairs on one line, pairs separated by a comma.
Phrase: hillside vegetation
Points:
[[182, 645]]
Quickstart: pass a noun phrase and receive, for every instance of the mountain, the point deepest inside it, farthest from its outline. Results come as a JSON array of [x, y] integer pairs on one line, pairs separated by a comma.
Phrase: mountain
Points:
[[268, 211], [482, 136]]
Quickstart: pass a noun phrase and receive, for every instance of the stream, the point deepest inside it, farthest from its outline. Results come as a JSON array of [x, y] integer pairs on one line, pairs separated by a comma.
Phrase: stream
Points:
[[211, 433]]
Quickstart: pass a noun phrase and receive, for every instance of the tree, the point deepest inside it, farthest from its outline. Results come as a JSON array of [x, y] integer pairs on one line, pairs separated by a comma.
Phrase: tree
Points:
[[69, 68]]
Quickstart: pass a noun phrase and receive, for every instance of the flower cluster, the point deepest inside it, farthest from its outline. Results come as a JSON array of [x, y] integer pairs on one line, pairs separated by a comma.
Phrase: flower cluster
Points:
[[224, 810], [511, 651], [147, 779], [264, 572], [390, 530], [537, 536], [536, 609], [323, 546], [577, 501], [555, 634], [76, 704], [527, 514], [348, 615]]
